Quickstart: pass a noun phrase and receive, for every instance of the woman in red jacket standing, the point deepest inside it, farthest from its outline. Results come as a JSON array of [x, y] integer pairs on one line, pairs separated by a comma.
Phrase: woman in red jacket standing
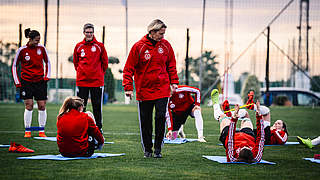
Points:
[[77, 133], [34, 78], [152, 63]]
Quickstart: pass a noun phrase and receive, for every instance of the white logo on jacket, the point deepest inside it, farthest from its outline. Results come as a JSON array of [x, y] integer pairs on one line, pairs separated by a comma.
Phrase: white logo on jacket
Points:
[[181, 95], [147, 55], [93, 49], [160, 50], [39, 51], [27, 57], [82, 53], [172, 106]]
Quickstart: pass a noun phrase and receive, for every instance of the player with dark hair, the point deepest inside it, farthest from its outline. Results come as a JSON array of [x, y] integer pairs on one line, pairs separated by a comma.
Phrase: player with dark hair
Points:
[[241, 146], [35, 73], [152, 63], [77, 133], [90, 61], [182, 105]]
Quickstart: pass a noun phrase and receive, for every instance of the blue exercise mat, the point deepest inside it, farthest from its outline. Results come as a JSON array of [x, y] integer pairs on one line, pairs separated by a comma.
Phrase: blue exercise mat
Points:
[[59, 157], [55, 139], [312, 160], [4, 145], [223, 160], [287, 143], [177, 141]]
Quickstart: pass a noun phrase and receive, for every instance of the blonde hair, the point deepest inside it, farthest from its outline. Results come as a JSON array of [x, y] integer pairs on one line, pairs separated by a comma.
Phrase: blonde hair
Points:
[[71, 102], [156, 25]]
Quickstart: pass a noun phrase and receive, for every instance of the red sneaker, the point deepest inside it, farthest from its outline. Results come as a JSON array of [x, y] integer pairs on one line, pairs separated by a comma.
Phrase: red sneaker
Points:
[[317, 156], [27, 134], [226, 107], [19, 148], [250, 100]]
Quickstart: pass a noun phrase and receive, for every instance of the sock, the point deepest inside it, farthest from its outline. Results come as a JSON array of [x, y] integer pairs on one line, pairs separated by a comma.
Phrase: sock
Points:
[[27, 118], [316, 141], [217, 111], [266, 123], [198, 122], [42, 119]]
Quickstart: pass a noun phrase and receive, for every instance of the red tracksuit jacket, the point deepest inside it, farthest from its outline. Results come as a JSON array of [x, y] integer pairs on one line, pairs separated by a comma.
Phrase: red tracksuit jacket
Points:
[[32, 68], [278, 137], [73, 130], [153, 68], [181, 100], [235, 141], [90, 60]]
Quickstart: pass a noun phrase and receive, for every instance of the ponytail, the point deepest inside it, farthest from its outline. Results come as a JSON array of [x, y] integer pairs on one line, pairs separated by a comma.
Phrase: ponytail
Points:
[[31, 34], [71, 102]]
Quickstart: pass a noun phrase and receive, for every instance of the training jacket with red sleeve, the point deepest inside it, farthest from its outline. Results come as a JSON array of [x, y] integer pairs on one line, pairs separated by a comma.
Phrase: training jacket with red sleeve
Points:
[[181, 99], [32, 67], [153, 68], [72, 134], [90, 60], [278, 137], [235, 141]]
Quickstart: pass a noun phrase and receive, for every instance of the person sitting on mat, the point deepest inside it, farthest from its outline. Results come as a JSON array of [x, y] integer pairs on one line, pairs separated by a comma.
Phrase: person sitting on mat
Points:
[[241, 146], [78, 134], [277, 134], [182, 105]]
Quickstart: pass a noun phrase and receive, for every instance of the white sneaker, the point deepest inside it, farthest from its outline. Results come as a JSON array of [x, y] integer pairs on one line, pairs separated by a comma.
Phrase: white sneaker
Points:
[[182, 135], [201, 139]]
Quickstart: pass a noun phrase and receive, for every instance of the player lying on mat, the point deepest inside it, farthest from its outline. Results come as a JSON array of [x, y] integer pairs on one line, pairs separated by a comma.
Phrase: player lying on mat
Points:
[[241, 146], [182, 105], [78, 134], [276, 134]]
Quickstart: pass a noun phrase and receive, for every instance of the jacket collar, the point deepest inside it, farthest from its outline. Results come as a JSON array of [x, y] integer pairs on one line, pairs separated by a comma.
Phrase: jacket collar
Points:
[[90, 42], [147, 41]]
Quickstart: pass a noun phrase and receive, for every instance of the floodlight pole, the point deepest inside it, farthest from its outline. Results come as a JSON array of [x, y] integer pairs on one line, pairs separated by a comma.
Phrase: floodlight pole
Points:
[[201, 49], [187, 58], [57, 52], [267, 69]]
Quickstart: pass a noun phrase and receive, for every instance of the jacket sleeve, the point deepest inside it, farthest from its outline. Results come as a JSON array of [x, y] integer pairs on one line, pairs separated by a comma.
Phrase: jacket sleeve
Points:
[[230, 146], [280, 136], [94, 131], [104, 58], [14, 68], [129, 68], [171, 67], [48, 65], [169, 120], [75, 58], [259, 144]]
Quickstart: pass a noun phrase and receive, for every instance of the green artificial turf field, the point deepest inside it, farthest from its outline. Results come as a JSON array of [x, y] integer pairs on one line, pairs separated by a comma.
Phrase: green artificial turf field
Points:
[[183, 161]]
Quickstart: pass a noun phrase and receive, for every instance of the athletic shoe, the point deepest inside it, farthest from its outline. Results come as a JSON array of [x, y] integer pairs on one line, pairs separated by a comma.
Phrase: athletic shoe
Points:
[[147, 155], [42, 134], [201, 139], [250, 100], [182, 135], [19, 148], [157, 155], [226, 107], [215, 96], [316, 156], [27, 134], [306, 142]]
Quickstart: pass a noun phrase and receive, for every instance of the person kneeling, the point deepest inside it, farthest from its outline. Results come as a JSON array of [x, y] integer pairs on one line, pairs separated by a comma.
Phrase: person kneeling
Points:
[[78, 134]]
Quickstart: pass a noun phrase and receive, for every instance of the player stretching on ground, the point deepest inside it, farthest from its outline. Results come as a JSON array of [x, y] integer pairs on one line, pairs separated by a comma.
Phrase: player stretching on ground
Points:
[[77, 134], [240, 146], [182, 105]]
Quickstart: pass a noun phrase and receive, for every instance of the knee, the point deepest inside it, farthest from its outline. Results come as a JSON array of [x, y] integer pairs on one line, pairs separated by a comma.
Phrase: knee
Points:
[[29, 106], [41, 107]]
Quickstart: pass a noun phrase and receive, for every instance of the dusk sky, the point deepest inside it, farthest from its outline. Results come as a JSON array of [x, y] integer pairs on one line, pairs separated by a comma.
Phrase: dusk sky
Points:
[[250, 18]]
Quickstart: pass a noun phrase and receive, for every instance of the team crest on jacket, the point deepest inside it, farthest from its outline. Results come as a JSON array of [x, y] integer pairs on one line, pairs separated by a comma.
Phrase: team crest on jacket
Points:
[[181, 96], [172, 106], [160, 50], [82, 53], [93, 49], [147, 55], [39, 51], [27, 57]]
